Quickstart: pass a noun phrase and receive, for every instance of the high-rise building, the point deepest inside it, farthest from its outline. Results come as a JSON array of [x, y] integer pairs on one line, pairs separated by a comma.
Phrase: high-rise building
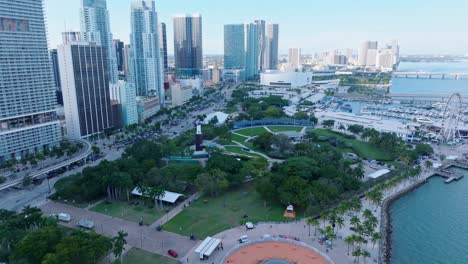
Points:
[[234, 46], [294, 57], [126, 61], [261, 42], [119, 53], [384, 60], [28, 121], [188, 46], [96, 28], [371, 57], [163, 44], [55, 68], [363, 51], [251, 50], [124, 93], [270, 61], [146, 69], [216, 74], [85, 86]]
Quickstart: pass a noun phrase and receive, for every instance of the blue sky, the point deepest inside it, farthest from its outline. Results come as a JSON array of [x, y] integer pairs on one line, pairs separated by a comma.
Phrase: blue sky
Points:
[[421, 26]]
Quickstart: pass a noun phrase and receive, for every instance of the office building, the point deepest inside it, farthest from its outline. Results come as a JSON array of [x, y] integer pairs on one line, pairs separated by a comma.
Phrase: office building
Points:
[[163, 44], [188, 47], [261, 42], [96, 28], [126, 61], [251, 50], [55, 68], [270, 61], [371, 57], [85, 86], [119, 53], [294, 57], [28, 121], [147, 106], [384, 60], [125, 94], [215, 74], [146, 67], [363, 51]]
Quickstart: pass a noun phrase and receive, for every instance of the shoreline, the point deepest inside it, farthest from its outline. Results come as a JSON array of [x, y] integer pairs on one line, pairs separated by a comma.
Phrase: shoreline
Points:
[[385, 245]]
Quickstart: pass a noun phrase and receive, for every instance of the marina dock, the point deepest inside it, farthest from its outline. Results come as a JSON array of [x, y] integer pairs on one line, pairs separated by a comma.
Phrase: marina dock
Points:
[[449, 175]]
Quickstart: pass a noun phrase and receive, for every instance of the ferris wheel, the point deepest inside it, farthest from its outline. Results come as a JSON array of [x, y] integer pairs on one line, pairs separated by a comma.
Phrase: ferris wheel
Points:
[[453, 114]]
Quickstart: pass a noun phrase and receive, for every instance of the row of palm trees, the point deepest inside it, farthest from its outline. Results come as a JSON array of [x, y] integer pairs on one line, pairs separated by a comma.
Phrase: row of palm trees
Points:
[[155, 193]]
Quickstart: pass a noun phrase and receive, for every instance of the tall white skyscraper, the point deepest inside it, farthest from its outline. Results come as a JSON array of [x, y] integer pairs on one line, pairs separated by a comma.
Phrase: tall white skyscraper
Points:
[[363, 51], [261, 42], [96, 28], [28, 121], [294, 57], [146, 64], [270, 60], [85, 87]]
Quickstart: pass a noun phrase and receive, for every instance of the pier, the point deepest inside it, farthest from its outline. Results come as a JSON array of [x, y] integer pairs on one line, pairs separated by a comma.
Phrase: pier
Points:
[[449, 175]]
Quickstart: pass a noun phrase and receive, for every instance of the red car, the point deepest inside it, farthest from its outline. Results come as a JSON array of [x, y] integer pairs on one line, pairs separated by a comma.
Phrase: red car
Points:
[[172, 253]]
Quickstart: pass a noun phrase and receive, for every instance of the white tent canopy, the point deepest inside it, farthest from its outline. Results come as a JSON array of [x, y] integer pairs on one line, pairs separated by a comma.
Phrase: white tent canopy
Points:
[[168, 197], [378, 174], [208, 246]]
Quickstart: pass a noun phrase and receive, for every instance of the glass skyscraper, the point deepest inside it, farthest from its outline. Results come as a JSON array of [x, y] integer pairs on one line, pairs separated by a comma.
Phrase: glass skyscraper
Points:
[[146, 64], [188, 48], [163, 44], [270, 60], [251, 50], [28, 122], [234, 47], [95, 27]]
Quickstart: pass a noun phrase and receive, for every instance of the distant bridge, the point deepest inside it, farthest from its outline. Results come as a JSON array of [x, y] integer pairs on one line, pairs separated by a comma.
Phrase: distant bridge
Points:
[[430, 75]]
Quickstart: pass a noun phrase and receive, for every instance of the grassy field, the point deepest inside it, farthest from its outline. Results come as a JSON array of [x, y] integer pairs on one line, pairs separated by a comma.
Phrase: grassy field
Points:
[[128, 212], [208, 216], [239, 150], [251, 132], [138, 256], [361, 148], [238, 138], [285, 128]]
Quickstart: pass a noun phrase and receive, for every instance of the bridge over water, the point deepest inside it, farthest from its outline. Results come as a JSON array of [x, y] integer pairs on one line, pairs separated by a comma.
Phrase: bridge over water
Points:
[[430, 75]]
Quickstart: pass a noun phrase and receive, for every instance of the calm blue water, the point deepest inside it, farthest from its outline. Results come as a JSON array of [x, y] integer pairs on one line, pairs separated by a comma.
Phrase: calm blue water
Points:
[[428, 86], [430, 225]]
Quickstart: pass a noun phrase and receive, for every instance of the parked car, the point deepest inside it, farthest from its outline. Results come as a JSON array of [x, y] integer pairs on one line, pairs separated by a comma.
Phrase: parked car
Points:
[[64, 217], [84, 223], [249, 225], [243, 239], [172, 253]]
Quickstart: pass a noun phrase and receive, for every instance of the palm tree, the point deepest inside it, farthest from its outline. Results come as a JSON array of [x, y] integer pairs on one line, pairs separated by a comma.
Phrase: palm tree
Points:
[[315, 223], [309, 222], [32, 216], [374, 238], [349, 240], [354, 221], [119, 245], [323, 217], [367, 214], [365, 254], [339, 223], [356, 254]]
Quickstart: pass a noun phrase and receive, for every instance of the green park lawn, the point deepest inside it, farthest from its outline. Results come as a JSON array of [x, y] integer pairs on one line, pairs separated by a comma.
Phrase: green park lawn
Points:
[[138, 256], [208, 216], [285, 128], [361, 148], [251, 132], [239, 150], [132, 213], [238, 138]]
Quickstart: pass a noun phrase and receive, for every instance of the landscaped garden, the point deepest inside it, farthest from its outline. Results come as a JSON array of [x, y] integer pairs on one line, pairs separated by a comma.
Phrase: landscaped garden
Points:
[[138, 256], [211, 215], [251, 132], [132, 213], [241, 151], [285, 128]]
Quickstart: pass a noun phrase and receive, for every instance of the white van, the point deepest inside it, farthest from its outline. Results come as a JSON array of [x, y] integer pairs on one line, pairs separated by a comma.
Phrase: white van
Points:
[[243, 239], [249, 225], [64, 217]]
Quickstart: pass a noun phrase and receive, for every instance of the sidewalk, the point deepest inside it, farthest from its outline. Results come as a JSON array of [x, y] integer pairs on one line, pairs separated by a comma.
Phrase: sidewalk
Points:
[[175, 211]]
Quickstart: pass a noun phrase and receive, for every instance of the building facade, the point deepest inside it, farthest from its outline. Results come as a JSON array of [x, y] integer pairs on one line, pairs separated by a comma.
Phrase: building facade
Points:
[[188, 46], [85, 86], [119, 53], [146, 67], [28, 121], [270, 60], [294, 57], [251, 50], [364, 50], [163, 45], [95, 26], [125, 94], [261, 25], [234, 46]]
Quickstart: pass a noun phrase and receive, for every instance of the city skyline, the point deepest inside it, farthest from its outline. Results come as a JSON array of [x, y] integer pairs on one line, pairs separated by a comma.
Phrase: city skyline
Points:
[[416, 29]]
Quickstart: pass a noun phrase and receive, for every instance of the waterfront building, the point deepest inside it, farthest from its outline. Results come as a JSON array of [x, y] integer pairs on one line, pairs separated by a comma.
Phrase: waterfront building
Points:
[[270, 61], [119, 53], [294, 58], [385, 59], [146, 67], [95, 26], [371, 57], [286, 79], [28, 121], [363, 51], [85, 86], [163, 44], [188, 46], [125, 94]]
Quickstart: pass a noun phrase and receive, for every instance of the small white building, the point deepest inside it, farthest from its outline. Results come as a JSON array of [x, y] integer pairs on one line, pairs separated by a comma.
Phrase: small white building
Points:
[[220, 116], [286, 79]]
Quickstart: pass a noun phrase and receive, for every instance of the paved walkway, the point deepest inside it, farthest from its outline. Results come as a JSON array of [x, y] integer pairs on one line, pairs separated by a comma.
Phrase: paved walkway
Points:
[[144, 237], [175, 211]]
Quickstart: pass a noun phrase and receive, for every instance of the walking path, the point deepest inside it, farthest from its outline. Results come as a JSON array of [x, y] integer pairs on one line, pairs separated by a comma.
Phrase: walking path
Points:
[[175, 211], [144, 237]]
